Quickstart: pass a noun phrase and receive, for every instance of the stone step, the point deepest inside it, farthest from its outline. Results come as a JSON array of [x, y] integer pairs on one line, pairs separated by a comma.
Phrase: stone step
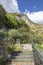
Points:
[[22, 53], [27, 52], [22, 57], [23, 60]]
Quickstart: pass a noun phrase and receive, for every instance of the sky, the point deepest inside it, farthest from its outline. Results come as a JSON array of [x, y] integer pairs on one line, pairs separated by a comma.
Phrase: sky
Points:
[[32, 8]]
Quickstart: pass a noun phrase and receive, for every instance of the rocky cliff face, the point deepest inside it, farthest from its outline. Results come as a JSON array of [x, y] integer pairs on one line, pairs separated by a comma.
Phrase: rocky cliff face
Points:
[[34, 26], [2, 11], [25, 18], [18, 17]]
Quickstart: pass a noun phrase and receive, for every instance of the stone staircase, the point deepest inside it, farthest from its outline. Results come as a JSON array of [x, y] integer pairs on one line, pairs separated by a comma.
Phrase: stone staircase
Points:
[[24, 56]]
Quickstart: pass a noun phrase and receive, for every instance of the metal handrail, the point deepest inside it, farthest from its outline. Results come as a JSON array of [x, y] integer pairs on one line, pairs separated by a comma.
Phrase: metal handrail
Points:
[[38, 54]]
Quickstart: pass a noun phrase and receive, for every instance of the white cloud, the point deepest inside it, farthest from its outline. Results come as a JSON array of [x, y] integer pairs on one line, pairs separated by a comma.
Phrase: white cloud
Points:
[[36, 17], [10, 5]]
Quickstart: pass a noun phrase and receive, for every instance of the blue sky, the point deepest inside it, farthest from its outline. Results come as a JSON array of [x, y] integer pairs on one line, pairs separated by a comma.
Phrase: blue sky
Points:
[[31, 5], [32, 8]]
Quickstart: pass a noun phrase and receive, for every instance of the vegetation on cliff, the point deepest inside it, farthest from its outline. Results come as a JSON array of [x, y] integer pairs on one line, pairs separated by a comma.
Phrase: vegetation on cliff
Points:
[[18, 28]]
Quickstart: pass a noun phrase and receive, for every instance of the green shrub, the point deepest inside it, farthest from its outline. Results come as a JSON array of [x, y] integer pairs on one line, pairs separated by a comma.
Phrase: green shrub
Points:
[[14, 47], [39, 46], [17, 48]]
